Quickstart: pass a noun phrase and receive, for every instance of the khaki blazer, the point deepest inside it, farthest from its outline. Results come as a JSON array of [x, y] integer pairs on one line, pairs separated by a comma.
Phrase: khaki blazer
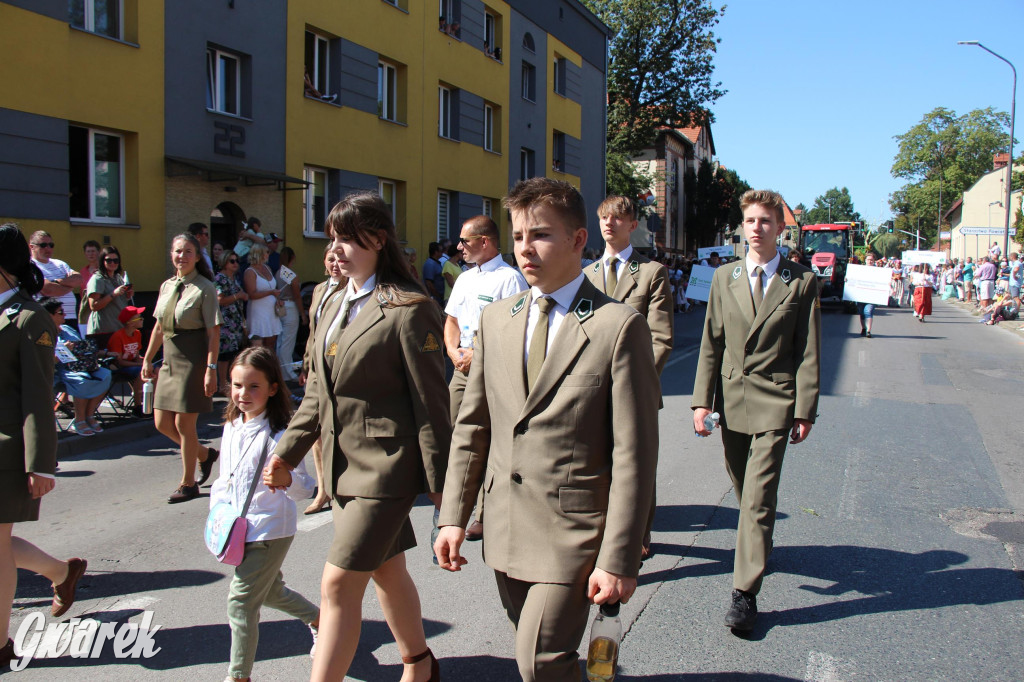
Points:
[[381, 406], [644, 287], [568, 470], [28, 435], [314, 303], [760, 372]]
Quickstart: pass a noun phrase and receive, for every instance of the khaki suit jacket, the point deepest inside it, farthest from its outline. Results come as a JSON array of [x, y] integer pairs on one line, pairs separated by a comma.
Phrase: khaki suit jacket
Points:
[[314, 303], [568, 469], [760, 371], [28, 435], [644, 287], [381, 406]]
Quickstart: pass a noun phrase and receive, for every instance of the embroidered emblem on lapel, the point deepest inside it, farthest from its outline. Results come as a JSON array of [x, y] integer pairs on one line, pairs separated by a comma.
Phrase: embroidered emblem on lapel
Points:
[[520, 304], [430, 343], [333, 350], [45, 340], [13, 310], [382, 299], [736, 272], [634, 267], [597, 266], [583, 309], [785, 276]]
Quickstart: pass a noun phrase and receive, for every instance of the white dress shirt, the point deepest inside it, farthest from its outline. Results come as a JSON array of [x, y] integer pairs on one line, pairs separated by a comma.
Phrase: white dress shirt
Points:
[[350, 292], [563, 299], [271, 515], [767, 276], [623, 258], [478, 287]]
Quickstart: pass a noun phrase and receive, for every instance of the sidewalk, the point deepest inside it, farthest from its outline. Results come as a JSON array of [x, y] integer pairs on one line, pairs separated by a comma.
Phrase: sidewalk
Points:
[[972, 309]]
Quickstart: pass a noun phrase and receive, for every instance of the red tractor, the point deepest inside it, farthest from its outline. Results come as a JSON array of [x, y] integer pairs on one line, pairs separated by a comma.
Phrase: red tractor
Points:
[[827, 249]]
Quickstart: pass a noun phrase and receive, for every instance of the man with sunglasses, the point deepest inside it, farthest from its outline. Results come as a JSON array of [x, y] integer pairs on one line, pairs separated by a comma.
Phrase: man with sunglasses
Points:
[[489, 280], [60, 280]]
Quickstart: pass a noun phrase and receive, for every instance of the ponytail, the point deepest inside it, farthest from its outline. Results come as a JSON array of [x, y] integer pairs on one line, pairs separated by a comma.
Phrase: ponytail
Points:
[[16, 259]]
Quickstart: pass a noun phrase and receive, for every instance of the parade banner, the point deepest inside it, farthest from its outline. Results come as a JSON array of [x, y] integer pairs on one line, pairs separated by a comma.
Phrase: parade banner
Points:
[[723, 251], [699, 287], [931, 258], [867, 284]]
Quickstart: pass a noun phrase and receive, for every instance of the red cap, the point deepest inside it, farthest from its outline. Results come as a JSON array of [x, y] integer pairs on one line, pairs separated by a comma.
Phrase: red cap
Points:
[[128, 313]]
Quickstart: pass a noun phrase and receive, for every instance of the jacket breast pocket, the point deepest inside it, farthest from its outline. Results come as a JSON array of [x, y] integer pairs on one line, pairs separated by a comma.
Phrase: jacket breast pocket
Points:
[[582, 380], [582, 499], [386, 427], [726, 371]]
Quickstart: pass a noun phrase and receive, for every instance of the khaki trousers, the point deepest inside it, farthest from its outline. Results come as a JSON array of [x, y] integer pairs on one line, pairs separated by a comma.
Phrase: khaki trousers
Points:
[[549, 620], [754, 463], [456, 390]]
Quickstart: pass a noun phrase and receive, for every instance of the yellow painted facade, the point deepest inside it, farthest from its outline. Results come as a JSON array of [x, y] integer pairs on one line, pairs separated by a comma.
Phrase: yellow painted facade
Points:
[[563, 113], [50, 69]]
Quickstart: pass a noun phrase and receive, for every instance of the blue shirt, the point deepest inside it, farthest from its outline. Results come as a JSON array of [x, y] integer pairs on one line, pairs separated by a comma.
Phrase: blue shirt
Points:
[[432, 273]]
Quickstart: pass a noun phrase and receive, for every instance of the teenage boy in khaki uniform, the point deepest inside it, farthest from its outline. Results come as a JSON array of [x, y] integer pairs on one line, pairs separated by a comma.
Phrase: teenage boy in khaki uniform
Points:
[[761, 345]]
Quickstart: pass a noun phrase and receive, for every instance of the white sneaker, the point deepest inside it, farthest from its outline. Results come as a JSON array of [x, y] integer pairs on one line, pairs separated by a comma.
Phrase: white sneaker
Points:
[[313, 631]]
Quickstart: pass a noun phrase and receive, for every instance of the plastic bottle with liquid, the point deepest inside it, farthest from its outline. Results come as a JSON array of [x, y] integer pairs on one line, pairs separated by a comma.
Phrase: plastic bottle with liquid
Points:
[[603, 654], [435, 531], [147, 396], [710, 422]]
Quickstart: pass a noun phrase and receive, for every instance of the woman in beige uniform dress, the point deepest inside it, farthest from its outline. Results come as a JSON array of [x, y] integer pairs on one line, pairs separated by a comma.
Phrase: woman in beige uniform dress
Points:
[[188, 327]]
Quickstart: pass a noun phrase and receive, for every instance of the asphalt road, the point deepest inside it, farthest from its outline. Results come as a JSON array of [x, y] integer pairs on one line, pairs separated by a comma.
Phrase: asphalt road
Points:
[[900, 522]]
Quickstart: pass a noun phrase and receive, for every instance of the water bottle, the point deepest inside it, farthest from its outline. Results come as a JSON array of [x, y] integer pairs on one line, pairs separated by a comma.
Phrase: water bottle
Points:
[[433, 535], [710, 422], [147, 396], [603, 654]]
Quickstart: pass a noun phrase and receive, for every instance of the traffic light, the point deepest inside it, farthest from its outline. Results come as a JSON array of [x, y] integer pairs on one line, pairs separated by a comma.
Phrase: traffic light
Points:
[[889, 226]]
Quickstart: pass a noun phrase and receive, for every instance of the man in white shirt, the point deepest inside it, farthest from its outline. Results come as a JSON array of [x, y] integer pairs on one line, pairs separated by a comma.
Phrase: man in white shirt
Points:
[[491, 279], [60, 280]]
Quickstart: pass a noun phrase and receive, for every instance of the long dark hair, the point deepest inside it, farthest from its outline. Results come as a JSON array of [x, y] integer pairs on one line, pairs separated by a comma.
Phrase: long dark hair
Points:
[[363, 216], [108, 250], [279, 405], [201, 265], [16, 260]]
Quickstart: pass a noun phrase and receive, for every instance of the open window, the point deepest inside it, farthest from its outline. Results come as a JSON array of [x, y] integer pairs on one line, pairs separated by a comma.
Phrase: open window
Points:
[[96, 175]]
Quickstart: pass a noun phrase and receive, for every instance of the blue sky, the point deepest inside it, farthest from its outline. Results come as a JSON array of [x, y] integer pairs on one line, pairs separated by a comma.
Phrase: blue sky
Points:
[[818, 88]]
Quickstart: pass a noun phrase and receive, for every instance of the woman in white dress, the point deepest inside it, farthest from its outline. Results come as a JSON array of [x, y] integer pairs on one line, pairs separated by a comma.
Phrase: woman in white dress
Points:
[[264, 324]]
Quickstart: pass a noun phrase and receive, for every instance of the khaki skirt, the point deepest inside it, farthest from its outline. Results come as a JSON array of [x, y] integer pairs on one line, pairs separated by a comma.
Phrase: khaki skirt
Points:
[[179, 387], [16, 504], [368, 531]]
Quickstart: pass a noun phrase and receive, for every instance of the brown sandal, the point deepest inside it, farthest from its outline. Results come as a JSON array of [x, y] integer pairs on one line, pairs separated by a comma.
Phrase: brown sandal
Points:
[[435, 669]]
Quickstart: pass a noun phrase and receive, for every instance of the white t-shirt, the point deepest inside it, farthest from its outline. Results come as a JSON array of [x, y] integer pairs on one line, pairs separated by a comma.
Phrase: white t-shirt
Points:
[[57, 269], [475, 288]]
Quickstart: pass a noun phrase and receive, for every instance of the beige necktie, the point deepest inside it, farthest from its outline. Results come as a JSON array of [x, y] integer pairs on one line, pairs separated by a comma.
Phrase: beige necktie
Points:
[[346, 308], [758, 292], [613, 277], [167, 319], [539, 342]]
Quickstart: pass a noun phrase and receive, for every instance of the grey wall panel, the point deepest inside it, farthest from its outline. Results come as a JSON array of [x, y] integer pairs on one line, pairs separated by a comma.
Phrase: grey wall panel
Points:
[[527, 121], [33, 166], [344, 182], [56, 9], [592, 147], [472, 23], [251, 30], [471, 118], [573, 82], [469, 205], [568, 21], [358, 77], [573, 156]]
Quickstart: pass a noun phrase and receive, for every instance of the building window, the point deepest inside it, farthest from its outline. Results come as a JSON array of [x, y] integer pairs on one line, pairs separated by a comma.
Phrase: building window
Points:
[[315, 207], [528, 43], [488, 208], [558, 152], [97, 16], [96, 175], [443, 202], [388, 191], [492, 35], [444, 98], [529, 82], [449, 16], [317, 81], [558, 78], [526, 164], [387, 91], [223, 80], [489, 127]]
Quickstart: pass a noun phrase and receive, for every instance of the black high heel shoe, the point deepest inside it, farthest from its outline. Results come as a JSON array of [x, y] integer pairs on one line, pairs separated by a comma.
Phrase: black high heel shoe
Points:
[[435, 668]]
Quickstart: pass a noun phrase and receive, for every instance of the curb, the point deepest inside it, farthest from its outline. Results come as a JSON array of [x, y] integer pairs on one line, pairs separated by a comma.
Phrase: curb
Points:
[[70, 444]]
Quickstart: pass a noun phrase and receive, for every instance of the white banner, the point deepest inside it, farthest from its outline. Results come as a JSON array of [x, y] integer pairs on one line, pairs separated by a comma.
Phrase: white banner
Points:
[[723, 251], [699, 287], [931, 258], [867, 284]]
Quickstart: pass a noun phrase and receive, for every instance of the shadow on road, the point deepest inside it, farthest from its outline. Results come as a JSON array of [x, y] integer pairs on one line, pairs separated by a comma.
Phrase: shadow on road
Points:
[[100, 585], [707, 677], [687, 518]]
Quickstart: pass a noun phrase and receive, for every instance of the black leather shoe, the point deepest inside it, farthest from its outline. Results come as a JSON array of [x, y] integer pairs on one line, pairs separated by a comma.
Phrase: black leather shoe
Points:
[[184, 493], [475, 531], [743, 611], [206, 466], [7, 653]]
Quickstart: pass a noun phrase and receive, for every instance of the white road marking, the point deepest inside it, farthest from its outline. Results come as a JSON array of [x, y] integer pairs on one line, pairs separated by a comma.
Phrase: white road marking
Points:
[[313, 522], [862, 358], [860, 397], [822, 668], [679, 357], [140, 603]]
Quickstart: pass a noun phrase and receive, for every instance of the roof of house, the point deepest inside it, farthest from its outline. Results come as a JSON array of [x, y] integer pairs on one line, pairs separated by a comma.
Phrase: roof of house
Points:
[[693, 134], [788, 214]]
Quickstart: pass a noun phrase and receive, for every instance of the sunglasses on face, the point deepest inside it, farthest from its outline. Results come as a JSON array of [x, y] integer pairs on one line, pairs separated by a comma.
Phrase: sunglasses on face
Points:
[[45, 245], [112, 260], [233, 260], [465, 240]]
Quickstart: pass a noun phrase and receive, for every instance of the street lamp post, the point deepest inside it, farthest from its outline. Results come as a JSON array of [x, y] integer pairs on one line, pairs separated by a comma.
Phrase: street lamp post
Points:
[[1009, 165]]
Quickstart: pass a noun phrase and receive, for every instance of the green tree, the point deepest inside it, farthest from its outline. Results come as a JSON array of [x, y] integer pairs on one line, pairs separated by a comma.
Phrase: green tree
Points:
[[940, 157], [889, 245], [835, 206], [736, 187], [659, 73], [800, 211], [713, 198]]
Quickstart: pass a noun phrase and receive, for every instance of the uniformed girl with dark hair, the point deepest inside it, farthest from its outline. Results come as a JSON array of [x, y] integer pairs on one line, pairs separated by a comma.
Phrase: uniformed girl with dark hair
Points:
[[377, 396], [188, 327], [28, 437]]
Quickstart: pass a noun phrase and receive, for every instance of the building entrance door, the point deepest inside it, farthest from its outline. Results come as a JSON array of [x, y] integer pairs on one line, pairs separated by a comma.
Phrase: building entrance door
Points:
[[225, 224]]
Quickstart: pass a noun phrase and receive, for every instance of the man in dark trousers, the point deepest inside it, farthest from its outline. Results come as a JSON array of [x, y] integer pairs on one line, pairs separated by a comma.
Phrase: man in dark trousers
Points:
[[758, 367]]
